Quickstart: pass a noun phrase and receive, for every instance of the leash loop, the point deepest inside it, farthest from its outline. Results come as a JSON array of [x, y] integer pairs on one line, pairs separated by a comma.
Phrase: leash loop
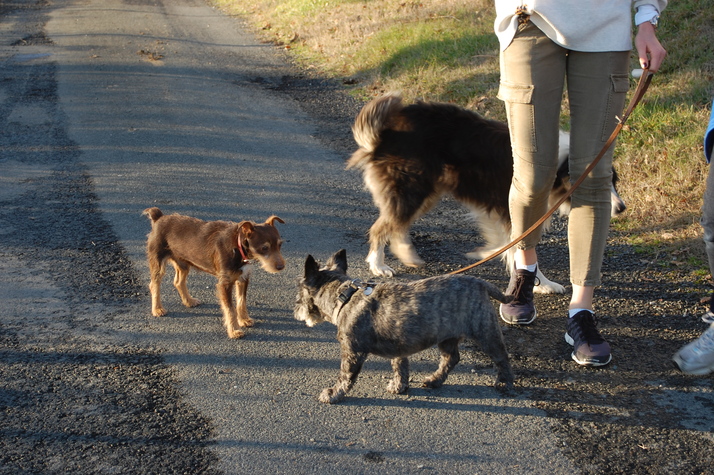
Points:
[[642, 86]]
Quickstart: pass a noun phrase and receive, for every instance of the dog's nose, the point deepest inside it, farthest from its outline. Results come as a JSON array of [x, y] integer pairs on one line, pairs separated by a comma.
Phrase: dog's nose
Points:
[[280, 266]]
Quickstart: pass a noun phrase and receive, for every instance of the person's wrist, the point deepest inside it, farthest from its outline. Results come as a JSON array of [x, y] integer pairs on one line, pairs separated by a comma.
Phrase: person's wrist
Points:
[[646, 27]]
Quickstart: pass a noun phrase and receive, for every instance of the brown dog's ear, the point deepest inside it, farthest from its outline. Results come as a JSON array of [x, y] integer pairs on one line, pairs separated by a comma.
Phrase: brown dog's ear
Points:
[[311, 267], [246, 227], [338, 261], [272, 219]]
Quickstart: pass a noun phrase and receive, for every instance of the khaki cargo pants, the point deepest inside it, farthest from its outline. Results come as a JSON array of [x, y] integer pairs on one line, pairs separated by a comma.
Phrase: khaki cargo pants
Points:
[[534, 72]]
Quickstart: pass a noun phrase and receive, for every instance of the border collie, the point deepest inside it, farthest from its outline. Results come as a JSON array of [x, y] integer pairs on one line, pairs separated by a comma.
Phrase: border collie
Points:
[[411, 156]]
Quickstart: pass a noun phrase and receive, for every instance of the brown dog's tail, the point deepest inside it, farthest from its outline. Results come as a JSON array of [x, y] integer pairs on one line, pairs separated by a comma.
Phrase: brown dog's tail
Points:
[[369, 124], [153, 213], [496, 293]]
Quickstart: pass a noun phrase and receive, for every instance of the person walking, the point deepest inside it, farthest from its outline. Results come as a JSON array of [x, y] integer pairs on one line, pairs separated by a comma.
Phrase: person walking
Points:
[[546, 45], [697, 357]]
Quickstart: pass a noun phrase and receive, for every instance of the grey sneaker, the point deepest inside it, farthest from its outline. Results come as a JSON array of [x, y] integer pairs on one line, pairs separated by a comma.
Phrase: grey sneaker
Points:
[[589, 348], [521, 311], [697, 357]]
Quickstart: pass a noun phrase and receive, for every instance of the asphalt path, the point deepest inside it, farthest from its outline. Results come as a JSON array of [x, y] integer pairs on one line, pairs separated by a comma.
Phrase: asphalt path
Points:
[[171, 104], [174, 104]]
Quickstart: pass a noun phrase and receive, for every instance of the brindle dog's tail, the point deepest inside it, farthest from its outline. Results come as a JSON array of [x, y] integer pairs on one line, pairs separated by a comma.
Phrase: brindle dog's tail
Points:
[[496, 293]]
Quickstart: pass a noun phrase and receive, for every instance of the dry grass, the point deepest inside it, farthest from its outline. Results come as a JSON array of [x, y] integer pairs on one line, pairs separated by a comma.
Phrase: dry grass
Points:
[[445, 50]]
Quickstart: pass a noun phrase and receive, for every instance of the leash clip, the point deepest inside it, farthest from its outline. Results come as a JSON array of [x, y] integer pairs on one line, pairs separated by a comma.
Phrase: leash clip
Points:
[[522, 14], [355, 285], [350, 290]]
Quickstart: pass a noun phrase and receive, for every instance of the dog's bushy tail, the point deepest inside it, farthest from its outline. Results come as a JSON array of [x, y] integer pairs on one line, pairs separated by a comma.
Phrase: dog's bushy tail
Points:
[[496, 294], [153, 213], [370, 122]]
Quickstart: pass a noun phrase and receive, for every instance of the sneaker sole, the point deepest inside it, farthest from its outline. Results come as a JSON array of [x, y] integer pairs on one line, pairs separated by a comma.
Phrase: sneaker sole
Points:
[[518, 323], [695, 372], [585, 362], [590, 362]]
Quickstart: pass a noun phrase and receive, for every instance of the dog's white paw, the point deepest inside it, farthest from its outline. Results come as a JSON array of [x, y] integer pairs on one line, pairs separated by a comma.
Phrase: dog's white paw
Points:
[[418, 262], [405, 252], [383, 270], [549, 287], [375, 260], [477, 254]]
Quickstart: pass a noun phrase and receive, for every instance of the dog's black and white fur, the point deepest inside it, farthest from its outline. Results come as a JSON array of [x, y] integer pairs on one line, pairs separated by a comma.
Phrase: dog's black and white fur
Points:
[[412, 155], [396, 320]]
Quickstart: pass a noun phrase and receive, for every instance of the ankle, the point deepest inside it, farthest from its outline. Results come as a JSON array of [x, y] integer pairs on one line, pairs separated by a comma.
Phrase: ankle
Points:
[[528, 267], [573, 311]]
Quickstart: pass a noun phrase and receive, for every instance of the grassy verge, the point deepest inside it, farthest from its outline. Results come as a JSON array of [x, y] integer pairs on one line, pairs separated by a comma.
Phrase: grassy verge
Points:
[[445, 50]]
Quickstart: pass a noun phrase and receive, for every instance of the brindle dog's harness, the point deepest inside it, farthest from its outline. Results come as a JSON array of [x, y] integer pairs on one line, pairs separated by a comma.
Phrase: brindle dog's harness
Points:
[[352, 288], [642, 86]]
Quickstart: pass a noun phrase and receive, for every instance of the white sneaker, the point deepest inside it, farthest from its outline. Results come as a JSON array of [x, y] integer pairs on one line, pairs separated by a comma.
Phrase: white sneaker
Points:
[[697, 357], [708, 317]]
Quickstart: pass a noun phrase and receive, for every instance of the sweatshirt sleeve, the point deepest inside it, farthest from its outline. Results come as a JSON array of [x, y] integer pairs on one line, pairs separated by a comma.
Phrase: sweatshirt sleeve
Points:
[[659, 5]]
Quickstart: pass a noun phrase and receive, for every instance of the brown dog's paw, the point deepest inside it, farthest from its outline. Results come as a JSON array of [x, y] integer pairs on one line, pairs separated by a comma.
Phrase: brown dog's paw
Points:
[[236, 334], [330, 396], [158, 311], [246, 322], [191, 302]]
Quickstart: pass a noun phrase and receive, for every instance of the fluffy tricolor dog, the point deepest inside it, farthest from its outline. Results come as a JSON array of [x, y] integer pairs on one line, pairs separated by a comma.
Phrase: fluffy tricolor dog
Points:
[[396, 320], [221, 248], [412, 155]]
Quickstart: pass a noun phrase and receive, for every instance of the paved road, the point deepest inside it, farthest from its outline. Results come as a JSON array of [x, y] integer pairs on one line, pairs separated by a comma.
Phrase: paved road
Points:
[[112, 106]]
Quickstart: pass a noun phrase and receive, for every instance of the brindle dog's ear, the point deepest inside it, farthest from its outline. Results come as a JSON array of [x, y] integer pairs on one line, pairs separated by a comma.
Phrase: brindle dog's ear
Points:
[[311, 267], [338, 261]]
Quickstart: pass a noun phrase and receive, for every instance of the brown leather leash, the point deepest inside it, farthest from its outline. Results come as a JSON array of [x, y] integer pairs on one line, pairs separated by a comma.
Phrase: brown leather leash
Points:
[[642, 86]]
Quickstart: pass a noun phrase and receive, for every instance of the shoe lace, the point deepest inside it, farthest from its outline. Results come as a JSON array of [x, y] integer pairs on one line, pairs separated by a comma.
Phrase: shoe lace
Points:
[[588, 330], [520, 295]]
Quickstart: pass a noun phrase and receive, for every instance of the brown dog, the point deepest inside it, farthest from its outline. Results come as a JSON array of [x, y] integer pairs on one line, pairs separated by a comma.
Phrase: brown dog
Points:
[[221, 248]]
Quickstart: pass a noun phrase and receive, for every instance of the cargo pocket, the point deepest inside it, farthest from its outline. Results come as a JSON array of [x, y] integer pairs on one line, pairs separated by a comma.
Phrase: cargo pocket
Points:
[[619, 85], [521, 115]]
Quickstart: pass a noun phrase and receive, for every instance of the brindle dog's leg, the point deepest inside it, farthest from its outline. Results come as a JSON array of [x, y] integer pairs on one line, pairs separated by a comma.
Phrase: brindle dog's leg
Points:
[[350, 367], [494, 347], [400, 382], [449, 358]]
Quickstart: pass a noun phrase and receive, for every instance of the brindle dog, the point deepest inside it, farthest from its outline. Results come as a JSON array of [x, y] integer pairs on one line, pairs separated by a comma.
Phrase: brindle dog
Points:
[[396, 320]]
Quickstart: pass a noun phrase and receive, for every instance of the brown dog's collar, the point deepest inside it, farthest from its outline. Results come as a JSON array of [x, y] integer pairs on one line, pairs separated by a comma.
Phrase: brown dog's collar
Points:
[[240, 249]]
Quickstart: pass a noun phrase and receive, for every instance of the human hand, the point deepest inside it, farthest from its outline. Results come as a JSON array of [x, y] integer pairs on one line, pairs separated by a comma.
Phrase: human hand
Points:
[[649, 49]]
